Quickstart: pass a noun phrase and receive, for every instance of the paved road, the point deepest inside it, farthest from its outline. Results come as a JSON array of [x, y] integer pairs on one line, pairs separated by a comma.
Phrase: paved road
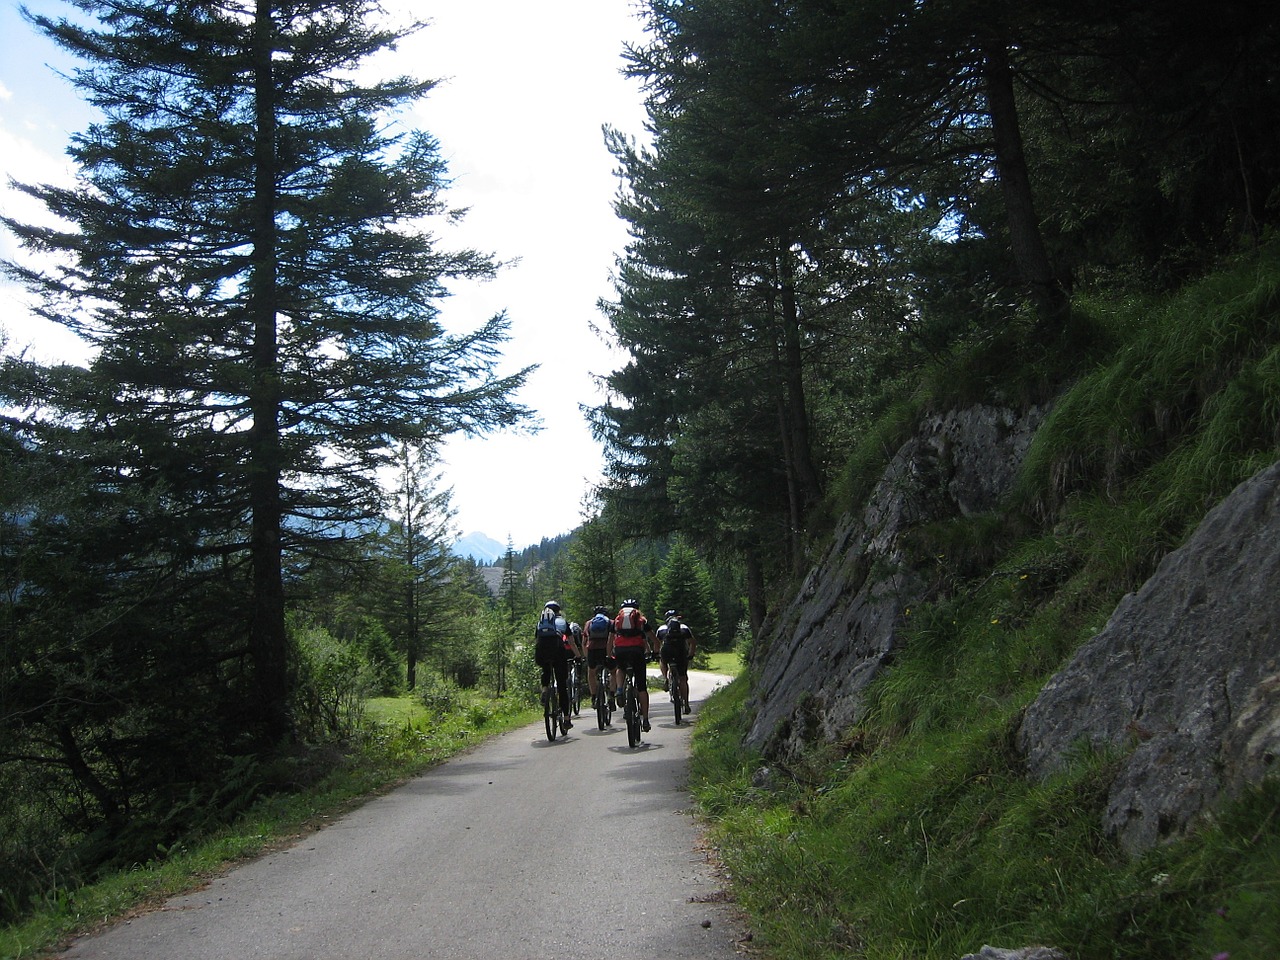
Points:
[[485, 857]]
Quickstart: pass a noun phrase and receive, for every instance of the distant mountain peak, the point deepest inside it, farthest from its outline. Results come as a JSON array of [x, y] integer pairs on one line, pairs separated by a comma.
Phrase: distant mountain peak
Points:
[[480, 547]]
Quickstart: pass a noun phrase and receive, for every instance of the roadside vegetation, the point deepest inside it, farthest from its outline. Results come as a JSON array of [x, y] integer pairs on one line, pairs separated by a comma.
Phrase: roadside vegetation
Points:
[[916, 835]]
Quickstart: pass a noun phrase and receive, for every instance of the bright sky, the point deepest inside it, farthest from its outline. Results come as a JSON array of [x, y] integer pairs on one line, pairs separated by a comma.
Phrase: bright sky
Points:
[[526, 88]]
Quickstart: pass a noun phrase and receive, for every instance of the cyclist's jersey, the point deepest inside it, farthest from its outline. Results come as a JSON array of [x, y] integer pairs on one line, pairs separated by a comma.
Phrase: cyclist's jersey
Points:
[[630, 627]]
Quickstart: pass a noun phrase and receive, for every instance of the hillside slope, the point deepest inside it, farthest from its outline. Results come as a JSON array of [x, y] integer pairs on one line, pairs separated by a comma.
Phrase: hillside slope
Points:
[[947, 739]]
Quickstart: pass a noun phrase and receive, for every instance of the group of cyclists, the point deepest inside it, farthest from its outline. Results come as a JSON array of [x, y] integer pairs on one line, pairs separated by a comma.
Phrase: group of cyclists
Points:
[[622, 643]]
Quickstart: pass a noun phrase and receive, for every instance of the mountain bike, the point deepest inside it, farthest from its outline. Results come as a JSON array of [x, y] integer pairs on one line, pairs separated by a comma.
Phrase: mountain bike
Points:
[[631, 706], [604, 713], [552, 716]]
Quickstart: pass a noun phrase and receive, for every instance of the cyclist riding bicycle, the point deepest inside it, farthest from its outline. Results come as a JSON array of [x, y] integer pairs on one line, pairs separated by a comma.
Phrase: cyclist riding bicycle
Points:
[[597, 632], [551, 652], [633, 637], [677, 646]]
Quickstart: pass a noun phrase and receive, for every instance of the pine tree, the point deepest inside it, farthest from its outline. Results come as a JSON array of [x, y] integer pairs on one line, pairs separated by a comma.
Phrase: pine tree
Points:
[[684, 585], [420, 544], [249, 252]]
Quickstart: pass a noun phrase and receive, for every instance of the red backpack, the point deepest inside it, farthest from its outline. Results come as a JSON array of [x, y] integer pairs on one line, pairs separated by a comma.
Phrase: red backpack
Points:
[[629, 623]]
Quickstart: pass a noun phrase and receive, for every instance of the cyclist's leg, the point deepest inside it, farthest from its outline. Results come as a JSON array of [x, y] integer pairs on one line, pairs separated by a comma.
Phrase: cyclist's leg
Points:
[[545, 680], [642, 687], [619, 674], [593, 664]]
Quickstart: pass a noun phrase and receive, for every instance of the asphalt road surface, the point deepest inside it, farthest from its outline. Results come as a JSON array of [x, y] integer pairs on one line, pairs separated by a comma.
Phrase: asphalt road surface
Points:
[[522, 849]]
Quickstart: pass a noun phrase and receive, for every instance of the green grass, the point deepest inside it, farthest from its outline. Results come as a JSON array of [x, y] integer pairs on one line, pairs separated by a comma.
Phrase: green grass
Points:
[[917, 836], [403, 739], [728, 663]]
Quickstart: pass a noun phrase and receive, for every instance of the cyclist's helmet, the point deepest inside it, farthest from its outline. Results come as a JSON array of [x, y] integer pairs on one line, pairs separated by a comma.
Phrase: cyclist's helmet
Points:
[[602, 609], [671, 613], [631, 603], [553, 605]]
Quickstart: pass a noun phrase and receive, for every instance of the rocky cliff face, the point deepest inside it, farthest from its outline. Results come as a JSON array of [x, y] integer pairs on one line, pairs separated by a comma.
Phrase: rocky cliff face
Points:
[[817, 656], [1185, 678]]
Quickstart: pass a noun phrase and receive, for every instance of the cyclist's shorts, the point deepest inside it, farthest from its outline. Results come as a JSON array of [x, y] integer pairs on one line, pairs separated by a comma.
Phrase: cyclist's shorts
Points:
[[677, 656], [597, 657], [549, 651], [632, 658]]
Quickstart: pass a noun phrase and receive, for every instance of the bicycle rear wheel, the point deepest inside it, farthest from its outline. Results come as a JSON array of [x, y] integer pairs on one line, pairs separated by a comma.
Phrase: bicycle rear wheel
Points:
[[550, 707], [675, 698], [632, 715], [575, 691]]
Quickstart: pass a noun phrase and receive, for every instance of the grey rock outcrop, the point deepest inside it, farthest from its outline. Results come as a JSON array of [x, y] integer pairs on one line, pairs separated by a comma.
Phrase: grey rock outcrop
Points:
[[1185, 676], [815, 659], [1021, 953]]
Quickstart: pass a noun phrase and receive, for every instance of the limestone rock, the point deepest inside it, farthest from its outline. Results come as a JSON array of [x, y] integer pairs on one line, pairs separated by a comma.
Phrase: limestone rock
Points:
[[1022, 953], [818, 655], [1185, 676]]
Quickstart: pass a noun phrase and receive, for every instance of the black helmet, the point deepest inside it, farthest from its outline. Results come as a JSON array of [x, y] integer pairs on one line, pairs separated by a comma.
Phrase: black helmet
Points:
[[671, 613], [602, 609], [631, 603], [552, 604]]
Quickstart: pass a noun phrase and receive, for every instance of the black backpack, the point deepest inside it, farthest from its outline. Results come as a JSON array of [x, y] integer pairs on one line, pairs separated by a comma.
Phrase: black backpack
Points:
[[675, 632], [547, 630]]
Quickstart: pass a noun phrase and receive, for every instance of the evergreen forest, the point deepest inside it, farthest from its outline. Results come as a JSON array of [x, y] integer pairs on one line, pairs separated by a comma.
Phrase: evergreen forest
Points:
[[842, 214]]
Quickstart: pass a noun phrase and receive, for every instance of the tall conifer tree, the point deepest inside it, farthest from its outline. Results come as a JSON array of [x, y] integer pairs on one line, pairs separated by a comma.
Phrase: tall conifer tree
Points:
[[249, 251]]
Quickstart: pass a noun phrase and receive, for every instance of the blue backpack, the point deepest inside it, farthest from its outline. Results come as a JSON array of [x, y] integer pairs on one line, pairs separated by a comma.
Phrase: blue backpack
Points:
[[598, 627]]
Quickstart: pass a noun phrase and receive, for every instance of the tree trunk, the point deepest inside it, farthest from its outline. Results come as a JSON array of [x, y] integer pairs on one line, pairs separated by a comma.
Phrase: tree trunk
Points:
[[411, 644], [756, 607], [803, 486], [268, 639], [1029, 253], [808, 484]]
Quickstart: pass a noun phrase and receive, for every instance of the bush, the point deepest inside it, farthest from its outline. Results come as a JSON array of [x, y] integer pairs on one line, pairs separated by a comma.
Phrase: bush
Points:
[[333, 680]]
